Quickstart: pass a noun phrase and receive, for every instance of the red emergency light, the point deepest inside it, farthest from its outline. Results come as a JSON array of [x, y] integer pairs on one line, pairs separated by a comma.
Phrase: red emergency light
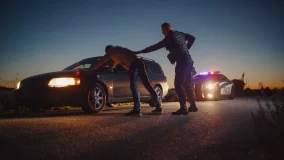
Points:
[[212, 72]]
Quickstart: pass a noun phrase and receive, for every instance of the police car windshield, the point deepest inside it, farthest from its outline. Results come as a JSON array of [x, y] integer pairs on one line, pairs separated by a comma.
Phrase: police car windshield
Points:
[[210, 77]]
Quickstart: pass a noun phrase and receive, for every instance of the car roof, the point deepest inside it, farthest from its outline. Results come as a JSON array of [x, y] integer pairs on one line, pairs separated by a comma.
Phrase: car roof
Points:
[[91, 58], [143, 58]]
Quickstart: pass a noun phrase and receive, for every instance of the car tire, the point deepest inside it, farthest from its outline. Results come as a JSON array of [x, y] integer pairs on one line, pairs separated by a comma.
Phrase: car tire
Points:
[[159, 92], [94, 99], [112, 105], [232, 95]]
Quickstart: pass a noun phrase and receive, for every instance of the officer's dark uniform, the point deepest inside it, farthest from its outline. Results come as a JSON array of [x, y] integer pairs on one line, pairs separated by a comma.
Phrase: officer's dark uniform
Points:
[[175, 43]]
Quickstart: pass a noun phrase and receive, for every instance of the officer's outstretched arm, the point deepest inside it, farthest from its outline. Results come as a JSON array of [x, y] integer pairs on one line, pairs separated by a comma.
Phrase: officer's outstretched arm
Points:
[[154, 47]]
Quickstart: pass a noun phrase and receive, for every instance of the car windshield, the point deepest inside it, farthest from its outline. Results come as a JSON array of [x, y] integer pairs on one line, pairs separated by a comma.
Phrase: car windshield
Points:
[[87, 63], [214, 77]]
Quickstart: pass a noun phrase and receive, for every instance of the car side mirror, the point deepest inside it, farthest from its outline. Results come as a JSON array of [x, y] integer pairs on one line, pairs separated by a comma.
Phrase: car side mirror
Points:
[[114, 70]]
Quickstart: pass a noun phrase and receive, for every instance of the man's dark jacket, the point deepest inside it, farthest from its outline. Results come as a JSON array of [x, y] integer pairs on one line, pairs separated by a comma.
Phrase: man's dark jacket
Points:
[[177, 43]]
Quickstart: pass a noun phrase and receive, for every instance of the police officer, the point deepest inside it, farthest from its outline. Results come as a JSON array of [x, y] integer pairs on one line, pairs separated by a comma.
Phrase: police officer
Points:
[[178, 44]]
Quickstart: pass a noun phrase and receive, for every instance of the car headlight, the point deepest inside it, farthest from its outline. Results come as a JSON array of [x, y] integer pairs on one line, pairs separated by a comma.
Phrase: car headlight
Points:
[[63, 82], [18, 85], [210, 86], [210, 95]]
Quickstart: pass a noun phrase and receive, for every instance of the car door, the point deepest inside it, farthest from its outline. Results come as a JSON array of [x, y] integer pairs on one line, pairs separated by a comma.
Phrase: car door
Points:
[[105, 75], [121, 83], [225, 86]]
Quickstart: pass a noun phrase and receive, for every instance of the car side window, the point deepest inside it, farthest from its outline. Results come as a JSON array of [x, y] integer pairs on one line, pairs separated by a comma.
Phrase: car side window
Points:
[[155, 68], [227, 79], [106, 66], [223, 78], [82, 66], [147, 66]]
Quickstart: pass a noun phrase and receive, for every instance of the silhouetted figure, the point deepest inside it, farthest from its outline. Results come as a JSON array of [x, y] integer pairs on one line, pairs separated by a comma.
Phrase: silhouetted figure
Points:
[[178, 44], [136, 67]]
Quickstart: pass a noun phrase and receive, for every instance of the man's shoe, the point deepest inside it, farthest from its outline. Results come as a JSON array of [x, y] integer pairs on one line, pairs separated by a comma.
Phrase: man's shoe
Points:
[[133, 113], [158, 111], [192, 108], [180, 112]]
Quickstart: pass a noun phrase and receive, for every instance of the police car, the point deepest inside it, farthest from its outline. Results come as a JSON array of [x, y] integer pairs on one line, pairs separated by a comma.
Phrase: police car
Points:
[[213, 86]]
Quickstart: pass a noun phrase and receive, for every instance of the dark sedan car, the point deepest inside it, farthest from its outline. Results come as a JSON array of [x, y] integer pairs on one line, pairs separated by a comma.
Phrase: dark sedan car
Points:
[[92, 90]]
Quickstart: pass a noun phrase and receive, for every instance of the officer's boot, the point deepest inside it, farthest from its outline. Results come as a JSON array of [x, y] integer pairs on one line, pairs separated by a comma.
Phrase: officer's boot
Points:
[[192, 107], [182, 110]]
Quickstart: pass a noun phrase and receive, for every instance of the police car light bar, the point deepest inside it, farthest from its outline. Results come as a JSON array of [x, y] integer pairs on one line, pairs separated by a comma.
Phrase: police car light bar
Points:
[[203, 73], [206, 73]]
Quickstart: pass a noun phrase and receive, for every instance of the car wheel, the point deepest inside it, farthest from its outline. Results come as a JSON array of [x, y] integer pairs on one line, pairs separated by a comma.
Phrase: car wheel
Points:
[[159, 92], [112, 105], [232, 95], [95, 99]]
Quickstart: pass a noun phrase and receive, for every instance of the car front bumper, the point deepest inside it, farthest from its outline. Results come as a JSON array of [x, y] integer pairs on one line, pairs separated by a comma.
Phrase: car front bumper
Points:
[[201, 92], [72, 96]]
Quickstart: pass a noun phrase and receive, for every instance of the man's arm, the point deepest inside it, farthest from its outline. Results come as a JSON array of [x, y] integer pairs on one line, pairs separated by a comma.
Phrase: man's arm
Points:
[[100, 62], [190, 40], [154, 47], [114, 64]]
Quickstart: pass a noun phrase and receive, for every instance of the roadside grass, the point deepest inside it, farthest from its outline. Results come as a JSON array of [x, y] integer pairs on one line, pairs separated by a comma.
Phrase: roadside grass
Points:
[[8, 104], [269, 123]]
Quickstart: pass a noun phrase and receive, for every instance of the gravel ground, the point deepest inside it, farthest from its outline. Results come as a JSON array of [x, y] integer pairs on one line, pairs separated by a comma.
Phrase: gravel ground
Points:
[[219, 130]]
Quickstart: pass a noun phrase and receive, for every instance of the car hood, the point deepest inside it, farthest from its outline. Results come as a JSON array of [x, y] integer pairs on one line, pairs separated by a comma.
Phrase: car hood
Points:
[[50, 75]]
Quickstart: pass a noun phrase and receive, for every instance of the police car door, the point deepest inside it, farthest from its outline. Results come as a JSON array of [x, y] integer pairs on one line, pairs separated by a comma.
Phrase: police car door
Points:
[[225, 86]]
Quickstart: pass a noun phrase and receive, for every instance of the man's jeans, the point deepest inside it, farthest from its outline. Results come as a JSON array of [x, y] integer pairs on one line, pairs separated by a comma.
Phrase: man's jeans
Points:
[[184, 83], [137, 69]]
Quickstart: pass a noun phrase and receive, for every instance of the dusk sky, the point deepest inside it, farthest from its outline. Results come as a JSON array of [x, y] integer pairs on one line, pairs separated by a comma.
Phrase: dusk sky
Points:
[[232, 36]]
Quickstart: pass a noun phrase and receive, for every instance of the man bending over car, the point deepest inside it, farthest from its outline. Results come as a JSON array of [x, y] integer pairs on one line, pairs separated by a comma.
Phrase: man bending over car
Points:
[[136, 67]]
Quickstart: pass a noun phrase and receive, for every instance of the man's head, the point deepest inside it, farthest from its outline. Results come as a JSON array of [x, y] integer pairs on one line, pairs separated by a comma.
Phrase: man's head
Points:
[[166, 27], [108, 47]]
